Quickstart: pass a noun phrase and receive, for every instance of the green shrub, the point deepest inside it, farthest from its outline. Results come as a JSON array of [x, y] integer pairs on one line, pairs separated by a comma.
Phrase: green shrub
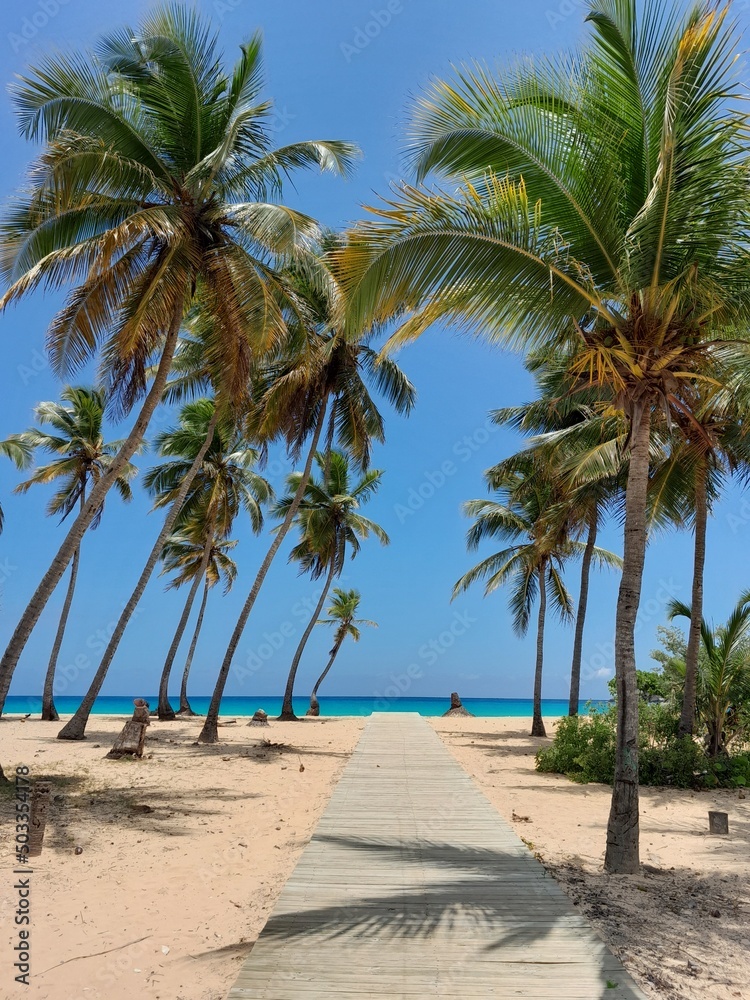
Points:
[[584, 750]]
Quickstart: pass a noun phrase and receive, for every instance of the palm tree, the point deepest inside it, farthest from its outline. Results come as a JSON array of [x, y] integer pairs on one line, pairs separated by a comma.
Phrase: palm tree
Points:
[[156, 179], [724, 675], [527, 516], [185, 556], [603, 193], [224, 485], [330, 525], [551, 418], [342, 615], [82, 459], [711, 444], [75, 727], [320, 380]]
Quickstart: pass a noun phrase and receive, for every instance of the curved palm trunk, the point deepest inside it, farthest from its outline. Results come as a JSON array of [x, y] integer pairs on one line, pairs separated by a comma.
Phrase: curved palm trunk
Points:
[[75, 729], [210, 731], [185, 708], [165, 711], [314, 708], [49, 712], [287, 709], [622, 854], [687, 716], [537, 723], [65, 553], [575, 669]]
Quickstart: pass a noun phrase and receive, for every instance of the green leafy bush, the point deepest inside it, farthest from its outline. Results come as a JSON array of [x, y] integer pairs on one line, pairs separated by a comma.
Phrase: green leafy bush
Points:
[[583, 749]]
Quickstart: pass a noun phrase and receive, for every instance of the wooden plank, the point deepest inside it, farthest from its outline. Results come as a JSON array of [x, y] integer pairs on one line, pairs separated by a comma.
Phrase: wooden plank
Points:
[[414, 886]]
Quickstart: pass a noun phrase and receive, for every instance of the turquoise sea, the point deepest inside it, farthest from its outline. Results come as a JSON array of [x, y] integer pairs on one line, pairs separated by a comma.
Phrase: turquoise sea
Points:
[[520, 708]]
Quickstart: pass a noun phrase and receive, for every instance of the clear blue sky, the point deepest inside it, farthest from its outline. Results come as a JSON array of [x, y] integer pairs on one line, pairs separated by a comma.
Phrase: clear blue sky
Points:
[[334, 72]]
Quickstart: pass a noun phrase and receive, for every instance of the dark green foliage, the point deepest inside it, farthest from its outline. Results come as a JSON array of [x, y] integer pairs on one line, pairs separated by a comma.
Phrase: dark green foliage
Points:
[[584, 750]]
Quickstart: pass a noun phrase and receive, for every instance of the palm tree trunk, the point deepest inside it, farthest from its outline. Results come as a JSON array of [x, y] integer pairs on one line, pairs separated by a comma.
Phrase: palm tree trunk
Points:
[[75, 729], [575, 669], [185, 708], [314, 708], [52, 577], [287, 708], [210, 731], [537, 724], [165, 710], [622, 854], [687, 716], [49, 712]]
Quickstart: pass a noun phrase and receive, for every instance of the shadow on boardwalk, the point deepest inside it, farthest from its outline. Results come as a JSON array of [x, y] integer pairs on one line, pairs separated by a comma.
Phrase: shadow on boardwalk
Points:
[[464, 893]]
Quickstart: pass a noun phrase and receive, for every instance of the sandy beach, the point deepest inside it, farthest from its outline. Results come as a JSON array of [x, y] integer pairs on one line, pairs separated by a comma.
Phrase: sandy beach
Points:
[[184, 852]]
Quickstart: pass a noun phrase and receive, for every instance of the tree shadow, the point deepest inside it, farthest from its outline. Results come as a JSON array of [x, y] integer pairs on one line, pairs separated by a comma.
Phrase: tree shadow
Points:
[[489, 914]]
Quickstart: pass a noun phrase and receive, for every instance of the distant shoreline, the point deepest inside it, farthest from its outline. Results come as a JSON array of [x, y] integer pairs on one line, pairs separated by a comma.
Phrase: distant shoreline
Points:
[[338, 707]]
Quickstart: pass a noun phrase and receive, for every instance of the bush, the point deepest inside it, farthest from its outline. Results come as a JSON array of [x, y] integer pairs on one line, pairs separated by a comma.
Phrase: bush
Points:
[[583, 749]]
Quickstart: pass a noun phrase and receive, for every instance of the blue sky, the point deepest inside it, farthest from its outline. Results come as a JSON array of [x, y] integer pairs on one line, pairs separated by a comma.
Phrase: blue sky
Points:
[[335, 70]]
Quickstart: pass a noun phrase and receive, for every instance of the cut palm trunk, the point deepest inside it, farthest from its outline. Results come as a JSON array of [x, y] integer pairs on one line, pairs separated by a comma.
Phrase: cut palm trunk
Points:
[[75, 729], [622, 854]]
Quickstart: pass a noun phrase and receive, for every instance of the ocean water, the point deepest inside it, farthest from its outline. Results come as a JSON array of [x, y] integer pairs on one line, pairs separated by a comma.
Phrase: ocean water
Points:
[[518, 708]]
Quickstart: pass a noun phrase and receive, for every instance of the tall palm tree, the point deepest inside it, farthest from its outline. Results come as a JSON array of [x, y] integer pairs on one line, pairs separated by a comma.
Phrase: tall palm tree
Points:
[[531, 516], [224, 486], [185, 555], [320, 381], [82, 458], [330, 527], [710, 444], [724, 675], [75, 727], [603, 193], [157, 178], [342, 615], [551, 418]]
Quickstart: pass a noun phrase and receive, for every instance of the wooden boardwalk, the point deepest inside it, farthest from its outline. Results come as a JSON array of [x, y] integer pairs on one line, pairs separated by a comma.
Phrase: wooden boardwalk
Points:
[[414, 886]]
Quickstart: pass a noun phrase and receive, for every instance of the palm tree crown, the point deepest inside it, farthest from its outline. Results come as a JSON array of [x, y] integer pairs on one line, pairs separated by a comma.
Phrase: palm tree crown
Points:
[[82, 455]]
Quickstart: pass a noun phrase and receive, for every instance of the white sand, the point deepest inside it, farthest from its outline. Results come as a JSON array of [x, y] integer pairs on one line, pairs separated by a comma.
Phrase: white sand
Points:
[[188, 849], [659, 923]]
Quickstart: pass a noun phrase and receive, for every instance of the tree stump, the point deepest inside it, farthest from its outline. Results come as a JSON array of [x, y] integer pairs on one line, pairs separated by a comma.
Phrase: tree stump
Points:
[[259, 719], [141, 712], [718, 822], [133, 736], [38, 816], [457, 708]]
